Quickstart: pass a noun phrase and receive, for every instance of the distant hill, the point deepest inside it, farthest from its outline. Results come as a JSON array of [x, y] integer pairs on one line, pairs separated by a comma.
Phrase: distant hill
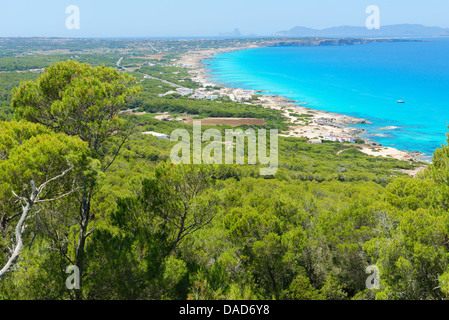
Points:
[[235, 33], [399, 30]]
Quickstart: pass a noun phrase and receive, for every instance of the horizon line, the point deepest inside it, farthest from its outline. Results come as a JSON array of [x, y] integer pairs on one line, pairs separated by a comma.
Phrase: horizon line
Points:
[[223, 36]]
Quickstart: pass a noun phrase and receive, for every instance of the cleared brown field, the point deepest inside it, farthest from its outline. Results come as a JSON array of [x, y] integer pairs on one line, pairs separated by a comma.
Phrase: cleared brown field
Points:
[[234, 122], [153, 57]]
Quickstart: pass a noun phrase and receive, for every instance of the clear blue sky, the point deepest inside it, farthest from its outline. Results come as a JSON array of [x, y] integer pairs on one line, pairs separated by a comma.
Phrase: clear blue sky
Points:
[[159, 18]]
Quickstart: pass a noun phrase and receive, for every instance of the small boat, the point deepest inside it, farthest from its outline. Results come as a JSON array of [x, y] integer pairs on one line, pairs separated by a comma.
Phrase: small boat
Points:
[[401, 101]]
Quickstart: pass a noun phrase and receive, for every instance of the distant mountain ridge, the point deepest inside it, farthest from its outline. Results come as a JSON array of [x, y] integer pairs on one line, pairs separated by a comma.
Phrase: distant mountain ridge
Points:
[[399, 30]]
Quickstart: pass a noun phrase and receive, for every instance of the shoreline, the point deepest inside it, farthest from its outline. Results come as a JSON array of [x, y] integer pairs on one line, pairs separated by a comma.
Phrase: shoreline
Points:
[[318, 123]]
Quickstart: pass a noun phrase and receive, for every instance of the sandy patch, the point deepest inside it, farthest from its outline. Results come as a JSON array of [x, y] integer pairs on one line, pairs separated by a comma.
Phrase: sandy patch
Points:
[[387, 152]]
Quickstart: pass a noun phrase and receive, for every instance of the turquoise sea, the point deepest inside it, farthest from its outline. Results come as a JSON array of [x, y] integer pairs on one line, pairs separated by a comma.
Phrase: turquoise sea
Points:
[[362, 80]]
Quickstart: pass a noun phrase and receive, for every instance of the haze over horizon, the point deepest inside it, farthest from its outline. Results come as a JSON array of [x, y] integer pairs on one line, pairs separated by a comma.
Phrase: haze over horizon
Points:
[[201, 18]]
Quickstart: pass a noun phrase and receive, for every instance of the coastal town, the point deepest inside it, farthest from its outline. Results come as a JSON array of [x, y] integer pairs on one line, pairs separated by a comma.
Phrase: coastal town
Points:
[[316, 126]]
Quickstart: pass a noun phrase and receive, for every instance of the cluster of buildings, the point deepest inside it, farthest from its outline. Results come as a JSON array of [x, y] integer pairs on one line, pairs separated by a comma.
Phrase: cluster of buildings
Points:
[[204, 94], [236, 95], [199, 94], [333, 138], [340, 139]]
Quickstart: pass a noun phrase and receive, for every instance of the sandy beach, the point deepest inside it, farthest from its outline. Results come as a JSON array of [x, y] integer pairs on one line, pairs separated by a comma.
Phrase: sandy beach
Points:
[[303, 121]]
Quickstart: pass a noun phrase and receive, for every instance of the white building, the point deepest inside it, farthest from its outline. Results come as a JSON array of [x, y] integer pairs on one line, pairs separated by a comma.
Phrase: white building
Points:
[[212, 97], [198, 96], [333, 138], [245, 98]]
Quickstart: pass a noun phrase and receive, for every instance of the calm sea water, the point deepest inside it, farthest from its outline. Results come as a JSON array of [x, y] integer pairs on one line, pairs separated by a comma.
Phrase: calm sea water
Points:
[[362, 80]]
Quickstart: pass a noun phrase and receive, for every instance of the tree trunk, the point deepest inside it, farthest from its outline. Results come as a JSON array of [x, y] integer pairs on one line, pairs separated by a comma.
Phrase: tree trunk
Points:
[[12, 261], [83, 234], [30, 200], [19, 243]]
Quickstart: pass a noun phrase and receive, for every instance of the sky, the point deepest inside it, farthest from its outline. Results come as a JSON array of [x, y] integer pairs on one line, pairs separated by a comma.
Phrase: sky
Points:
[[204, 18]]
